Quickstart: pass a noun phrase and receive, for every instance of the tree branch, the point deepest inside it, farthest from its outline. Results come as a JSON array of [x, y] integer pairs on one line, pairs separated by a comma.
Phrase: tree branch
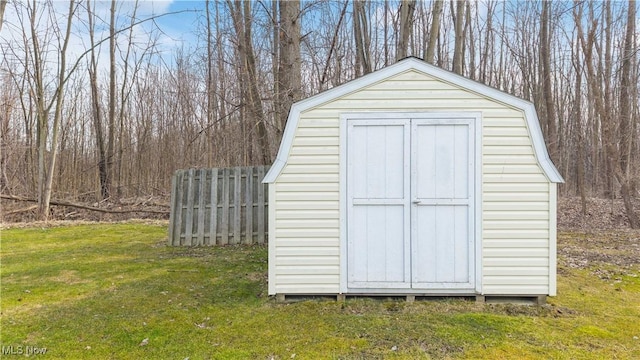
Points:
[[82, 206]]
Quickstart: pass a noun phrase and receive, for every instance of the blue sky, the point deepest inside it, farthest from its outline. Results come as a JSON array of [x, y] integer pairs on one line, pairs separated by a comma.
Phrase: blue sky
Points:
[[177, 29], [182, 24]]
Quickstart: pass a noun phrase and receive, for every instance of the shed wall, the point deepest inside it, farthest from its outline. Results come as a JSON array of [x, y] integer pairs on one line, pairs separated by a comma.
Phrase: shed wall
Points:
[[516, 207]]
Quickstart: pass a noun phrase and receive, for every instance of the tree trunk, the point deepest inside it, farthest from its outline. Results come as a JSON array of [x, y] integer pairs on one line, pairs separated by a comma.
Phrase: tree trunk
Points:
[[488, 47], [57, 115], [407, 8], [361, 36], [47, 186], [290, 69], [211, 92], [467, 33], [96, 109], [125, 92], [275, 64], [547, 94], [385, 28], [626, 117], [459, 37], [112, 99], [577, 113], [3, 5], [42, 126], [434, 33]]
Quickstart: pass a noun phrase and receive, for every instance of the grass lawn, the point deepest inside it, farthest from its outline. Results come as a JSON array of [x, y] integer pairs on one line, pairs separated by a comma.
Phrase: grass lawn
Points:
[[117, 291]]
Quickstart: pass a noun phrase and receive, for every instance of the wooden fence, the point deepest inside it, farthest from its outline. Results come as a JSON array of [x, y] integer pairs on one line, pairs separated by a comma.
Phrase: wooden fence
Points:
[[218, 206]]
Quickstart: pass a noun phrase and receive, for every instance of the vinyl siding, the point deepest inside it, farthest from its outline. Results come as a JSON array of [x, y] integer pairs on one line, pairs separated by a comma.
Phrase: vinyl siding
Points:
[[515, 202]]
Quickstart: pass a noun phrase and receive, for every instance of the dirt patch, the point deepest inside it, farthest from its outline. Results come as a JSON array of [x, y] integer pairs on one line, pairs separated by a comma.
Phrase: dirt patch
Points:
[[69, 277], [599, 250]]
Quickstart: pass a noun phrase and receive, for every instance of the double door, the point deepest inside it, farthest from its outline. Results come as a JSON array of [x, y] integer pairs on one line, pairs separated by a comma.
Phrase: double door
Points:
[[410, 203]]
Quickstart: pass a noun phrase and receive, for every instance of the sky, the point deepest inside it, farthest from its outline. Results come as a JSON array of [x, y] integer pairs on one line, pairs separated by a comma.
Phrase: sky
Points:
[[182, 24], [174, 30]]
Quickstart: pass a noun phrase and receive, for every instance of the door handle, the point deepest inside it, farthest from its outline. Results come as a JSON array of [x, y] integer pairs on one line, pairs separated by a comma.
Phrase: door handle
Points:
[[416, 202]]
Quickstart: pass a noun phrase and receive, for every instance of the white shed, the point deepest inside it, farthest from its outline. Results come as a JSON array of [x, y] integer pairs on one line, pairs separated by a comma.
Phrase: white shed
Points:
[[413, 181]]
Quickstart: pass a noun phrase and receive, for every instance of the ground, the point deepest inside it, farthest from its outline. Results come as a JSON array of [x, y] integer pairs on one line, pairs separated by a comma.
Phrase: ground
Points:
[[600, 237], [105, 290], [587, 249], [602, 214]]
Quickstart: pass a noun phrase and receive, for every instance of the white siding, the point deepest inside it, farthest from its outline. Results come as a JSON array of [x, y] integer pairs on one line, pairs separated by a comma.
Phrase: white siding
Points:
[[516, 210]]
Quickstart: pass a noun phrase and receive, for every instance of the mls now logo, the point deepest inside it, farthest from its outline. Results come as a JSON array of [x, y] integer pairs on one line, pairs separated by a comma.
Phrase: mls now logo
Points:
[[23, 350]]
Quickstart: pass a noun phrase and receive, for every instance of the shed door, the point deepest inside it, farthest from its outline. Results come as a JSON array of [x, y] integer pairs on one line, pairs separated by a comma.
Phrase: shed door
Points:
[[442, 186], [410, 188], [378, 203]]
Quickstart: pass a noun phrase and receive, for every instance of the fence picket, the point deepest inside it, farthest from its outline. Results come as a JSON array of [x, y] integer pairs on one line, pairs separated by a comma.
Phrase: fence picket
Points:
[[213, 225], [261, 206], [188, 232], [237, 209], [201, 208], [248, 206], [224, 224], [218, 206]]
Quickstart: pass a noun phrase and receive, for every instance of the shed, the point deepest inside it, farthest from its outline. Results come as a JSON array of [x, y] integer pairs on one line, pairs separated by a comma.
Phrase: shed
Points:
[[412, 181]]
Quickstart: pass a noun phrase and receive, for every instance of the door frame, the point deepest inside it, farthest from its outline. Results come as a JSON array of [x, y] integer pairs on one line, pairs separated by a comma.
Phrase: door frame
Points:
[[476, 265]]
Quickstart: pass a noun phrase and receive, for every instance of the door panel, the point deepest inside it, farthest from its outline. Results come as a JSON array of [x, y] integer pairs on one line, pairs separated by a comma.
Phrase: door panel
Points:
[[442, 238], [440, 247], [378, 197], [377, 160], [440, 160], [377, 248]]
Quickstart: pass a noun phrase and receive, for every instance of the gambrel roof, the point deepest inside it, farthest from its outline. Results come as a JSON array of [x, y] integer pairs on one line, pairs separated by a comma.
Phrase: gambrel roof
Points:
[[415, 64]]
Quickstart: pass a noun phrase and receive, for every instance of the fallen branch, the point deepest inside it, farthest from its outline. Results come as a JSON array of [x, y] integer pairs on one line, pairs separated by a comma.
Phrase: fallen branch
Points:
[[28, 208], [85, 207]]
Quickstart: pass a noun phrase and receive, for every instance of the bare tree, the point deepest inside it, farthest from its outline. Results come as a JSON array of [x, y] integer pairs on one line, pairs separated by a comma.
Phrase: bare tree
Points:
[[43, 106], [111, 118], [603, 111], [577, 115], [550, 124], [289, 70], [362, 38], [212, 103], [242, 20], [469, 36], [627, 98], [103, 171], [458, 20], [435, 30], [407, 8], [332, 47]]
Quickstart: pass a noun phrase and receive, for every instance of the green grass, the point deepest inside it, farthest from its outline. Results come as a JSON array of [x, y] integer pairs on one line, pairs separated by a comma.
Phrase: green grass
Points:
[[96, 291]]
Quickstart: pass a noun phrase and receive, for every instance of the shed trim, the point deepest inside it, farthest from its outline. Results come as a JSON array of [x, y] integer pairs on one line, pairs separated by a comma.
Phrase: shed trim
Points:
[[553, 245], [407, 64]]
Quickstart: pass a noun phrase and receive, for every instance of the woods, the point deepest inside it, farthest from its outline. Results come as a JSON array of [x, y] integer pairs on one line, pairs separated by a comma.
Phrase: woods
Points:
[[120, 113]]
